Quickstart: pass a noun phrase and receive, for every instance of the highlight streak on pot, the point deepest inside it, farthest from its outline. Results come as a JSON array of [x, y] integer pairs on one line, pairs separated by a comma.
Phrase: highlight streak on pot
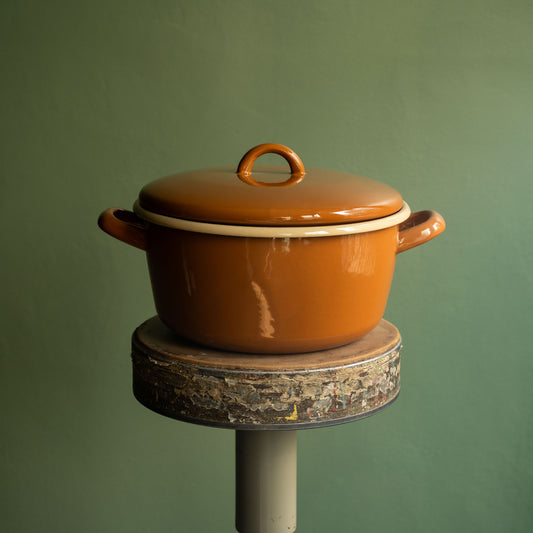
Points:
[[189, 278], [265, 316], [359, 256]]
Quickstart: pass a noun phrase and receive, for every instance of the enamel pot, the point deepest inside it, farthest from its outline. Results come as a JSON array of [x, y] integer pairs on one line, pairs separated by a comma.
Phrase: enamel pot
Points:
[[270, 261]]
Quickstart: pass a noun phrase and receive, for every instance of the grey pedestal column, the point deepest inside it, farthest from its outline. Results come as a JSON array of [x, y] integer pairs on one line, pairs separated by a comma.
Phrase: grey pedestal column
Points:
[[265, 481]]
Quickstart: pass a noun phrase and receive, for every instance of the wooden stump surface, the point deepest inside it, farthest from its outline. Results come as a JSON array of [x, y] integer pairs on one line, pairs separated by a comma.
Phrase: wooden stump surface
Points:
[[185, 381]]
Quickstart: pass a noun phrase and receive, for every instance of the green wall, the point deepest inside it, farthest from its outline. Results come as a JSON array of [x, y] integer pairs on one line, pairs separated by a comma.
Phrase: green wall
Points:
[[99, 97]]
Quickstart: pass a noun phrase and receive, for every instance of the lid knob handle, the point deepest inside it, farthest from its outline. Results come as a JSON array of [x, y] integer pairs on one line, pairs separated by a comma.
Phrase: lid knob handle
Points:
[[244, 170]]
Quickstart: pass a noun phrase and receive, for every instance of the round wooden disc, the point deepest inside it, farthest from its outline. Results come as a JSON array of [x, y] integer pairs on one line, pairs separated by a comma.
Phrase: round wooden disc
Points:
[[189, 382]]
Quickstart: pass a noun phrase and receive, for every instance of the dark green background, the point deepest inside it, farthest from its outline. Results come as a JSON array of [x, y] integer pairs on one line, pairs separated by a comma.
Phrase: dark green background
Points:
[[100, 97]]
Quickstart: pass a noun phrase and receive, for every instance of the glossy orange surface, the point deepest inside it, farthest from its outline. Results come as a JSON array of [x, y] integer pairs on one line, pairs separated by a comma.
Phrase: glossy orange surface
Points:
[[271, 295], [289, 195], [419, 228]]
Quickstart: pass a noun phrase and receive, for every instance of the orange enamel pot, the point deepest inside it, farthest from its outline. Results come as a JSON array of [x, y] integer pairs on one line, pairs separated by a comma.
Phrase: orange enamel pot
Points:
[[255, 262]]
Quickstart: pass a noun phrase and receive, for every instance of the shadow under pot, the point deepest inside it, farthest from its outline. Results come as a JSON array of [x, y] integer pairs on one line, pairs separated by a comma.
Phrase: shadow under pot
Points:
[[270, 262]]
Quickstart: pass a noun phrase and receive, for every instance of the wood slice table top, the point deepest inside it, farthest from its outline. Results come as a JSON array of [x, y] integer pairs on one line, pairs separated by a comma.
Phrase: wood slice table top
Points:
[[189, 382]]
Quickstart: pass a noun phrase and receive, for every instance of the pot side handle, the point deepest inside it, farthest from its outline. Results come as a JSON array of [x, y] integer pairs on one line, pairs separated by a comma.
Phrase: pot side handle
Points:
[[125, 226], [419, 228]]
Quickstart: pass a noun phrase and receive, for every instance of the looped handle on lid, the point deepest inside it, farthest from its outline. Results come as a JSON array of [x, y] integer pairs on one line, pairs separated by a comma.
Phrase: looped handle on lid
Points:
[[244, 170]]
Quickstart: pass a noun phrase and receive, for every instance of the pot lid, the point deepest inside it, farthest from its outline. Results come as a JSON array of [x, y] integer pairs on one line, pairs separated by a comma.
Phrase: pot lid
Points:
[[270, 195]]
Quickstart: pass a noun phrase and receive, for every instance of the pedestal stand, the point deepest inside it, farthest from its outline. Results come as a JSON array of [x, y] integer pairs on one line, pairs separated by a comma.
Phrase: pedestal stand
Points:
[[266, 398]]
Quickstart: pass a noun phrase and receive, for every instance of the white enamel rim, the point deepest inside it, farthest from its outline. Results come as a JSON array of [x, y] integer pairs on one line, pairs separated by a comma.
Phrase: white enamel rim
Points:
[[274, 231]]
